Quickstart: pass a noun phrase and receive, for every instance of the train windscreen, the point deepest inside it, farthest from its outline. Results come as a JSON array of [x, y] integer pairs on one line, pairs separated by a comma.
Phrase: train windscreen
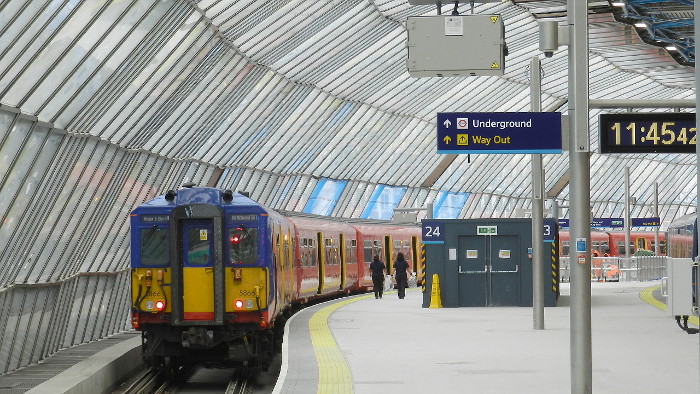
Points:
[[243, 245], [155, 246]]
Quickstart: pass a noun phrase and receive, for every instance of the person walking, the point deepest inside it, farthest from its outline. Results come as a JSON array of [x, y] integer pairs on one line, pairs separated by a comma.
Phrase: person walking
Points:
[[401, 274], [377, 268]]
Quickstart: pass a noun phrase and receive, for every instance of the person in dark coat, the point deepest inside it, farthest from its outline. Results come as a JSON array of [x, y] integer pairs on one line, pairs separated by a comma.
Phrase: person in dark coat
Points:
[[377, 269], [401, 274]]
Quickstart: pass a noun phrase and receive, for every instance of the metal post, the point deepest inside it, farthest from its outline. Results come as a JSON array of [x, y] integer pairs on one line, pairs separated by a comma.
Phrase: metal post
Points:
[[697, 110], [627, 212], [537, 206], [429, 214], [657, 247], [580, 194]]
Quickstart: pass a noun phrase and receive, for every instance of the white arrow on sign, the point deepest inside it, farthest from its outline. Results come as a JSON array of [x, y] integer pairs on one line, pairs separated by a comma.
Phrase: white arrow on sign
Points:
[[447, 123]]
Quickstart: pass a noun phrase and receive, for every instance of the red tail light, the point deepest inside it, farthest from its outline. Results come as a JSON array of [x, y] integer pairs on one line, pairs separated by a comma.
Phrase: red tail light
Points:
[[135, 320], [160, 305], [238, 304]]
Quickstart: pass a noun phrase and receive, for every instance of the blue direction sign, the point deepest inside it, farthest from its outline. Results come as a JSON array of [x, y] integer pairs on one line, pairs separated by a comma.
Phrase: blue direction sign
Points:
[[618, 222], [646, 222], [499, 132]]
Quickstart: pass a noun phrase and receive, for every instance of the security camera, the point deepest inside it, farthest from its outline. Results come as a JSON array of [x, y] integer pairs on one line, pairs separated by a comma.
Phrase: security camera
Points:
[[549, 37]]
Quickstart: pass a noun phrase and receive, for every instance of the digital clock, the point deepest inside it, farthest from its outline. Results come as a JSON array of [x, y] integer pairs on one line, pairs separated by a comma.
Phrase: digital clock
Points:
[[662, 132]]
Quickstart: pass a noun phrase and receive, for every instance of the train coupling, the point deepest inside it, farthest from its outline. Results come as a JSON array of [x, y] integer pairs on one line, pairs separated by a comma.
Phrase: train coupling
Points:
[[197, 337]]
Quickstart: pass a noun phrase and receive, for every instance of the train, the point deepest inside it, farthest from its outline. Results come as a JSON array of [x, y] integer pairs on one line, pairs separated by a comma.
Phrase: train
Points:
[[215, 275], [682, 236], [612, 243]]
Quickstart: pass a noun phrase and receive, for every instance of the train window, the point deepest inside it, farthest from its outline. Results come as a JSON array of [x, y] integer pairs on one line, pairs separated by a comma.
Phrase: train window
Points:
[[368, 250], [243, 243], [198, 251], [155, 247], [329, 242], [353, 243]]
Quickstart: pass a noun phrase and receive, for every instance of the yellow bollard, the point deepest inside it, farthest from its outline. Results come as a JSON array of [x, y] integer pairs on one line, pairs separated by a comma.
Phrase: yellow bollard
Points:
[[435, 293]]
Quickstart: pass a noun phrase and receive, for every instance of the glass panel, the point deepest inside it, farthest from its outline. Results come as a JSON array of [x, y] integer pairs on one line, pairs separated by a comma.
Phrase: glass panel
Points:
[[198, 246], [383, 201], [325, 197], [155, 250], [243, 245], [449, 205]]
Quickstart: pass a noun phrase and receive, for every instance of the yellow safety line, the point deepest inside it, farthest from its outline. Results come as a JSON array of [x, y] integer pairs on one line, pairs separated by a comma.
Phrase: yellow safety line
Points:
[[333, 371], [647, 297]]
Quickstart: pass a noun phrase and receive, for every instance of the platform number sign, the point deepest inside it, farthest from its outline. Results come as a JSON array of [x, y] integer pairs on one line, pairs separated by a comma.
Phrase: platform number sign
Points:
[[433, 233], [549, 230]]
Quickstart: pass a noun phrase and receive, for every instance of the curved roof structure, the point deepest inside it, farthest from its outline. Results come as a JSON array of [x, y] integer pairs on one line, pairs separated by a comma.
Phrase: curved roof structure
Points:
[[305, 104]]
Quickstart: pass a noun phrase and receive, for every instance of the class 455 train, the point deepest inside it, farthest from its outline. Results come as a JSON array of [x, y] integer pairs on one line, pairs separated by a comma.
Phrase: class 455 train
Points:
[[214, 275]]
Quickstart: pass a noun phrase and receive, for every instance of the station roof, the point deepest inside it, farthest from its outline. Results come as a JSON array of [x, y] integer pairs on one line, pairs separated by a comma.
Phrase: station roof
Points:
[[308, 104]]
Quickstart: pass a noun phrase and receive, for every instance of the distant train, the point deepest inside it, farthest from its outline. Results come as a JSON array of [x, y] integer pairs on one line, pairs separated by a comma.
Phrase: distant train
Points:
[[682, 235], [214, 275], [613, 242]]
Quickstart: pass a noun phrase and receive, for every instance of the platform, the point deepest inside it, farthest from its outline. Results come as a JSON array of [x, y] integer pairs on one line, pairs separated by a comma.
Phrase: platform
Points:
[[89, 368], [364, 345]]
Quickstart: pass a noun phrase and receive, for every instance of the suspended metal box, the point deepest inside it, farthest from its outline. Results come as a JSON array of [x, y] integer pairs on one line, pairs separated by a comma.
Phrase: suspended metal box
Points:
[[455, 46]]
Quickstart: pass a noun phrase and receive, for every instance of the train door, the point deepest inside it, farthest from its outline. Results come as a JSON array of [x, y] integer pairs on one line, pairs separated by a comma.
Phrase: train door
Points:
[[197, 270], [640, 244], [417, 255], [343, 262], [289, 249], [321, 251], [389, 254]]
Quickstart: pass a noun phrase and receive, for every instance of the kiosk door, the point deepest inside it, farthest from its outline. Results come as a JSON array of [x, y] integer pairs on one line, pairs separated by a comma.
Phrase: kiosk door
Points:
[[489, 271]]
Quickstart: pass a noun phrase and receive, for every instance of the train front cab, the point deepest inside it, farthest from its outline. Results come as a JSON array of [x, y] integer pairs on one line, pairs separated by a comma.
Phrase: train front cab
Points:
[[212, 303]]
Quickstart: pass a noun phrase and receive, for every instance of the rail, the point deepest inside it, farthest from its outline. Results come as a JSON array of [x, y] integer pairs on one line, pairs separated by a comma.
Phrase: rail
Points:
[[620, 269]]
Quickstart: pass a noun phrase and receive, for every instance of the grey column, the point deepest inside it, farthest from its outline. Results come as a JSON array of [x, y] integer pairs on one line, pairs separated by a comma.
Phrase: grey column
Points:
[[579, 191], [537, 206], [697, 110]]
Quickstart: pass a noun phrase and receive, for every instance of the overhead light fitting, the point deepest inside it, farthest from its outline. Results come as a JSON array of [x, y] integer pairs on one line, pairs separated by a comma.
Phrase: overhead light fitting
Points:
[[617, 4], [640, 25], [671, 48]]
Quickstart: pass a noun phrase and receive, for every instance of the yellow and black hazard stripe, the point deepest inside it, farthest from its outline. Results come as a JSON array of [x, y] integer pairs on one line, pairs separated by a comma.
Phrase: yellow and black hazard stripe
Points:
[[422, 267], [555, 266]]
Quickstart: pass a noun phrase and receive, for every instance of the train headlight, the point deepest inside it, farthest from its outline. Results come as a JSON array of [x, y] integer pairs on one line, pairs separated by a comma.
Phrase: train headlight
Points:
[[149, 305], [249, 304]]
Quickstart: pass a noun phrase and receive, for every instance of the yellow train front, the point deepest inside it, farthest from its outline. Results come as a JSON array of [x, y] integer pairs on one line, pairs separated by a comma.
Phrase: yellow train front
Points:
[[203, 286]]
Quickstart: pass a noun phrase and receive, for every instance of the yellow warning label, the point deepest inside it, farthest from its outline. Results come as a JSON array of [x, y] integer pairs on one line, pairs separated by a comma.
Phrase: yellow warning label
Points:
[[494, 65], [462, 139], [494, 18], [203, 235]]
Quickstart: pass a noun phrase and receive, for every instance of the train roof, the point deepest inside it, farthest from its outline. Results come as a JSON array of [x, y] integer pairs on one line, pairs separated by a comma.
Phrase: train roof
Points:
[[201, 195], [352, 221], [683, 221]]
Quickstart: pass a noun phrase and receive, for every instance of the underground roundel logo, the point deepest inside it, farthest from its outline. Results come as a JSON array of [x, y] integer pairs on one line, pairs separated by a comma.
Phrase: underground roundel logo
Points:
[[462, 123]]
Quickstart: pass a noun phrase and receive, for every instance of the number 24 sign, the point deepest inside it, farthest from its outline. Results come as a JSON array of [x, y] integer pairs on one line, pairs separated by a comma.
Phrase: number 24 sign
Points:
[[432, 232]]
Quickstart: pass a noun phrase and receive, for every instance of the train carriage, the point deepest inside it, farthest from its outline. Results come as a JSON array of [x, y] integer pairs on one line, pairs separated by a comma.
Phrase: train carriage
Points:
[[326, 262], [203, 259], [387, 241], [214, 275]]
